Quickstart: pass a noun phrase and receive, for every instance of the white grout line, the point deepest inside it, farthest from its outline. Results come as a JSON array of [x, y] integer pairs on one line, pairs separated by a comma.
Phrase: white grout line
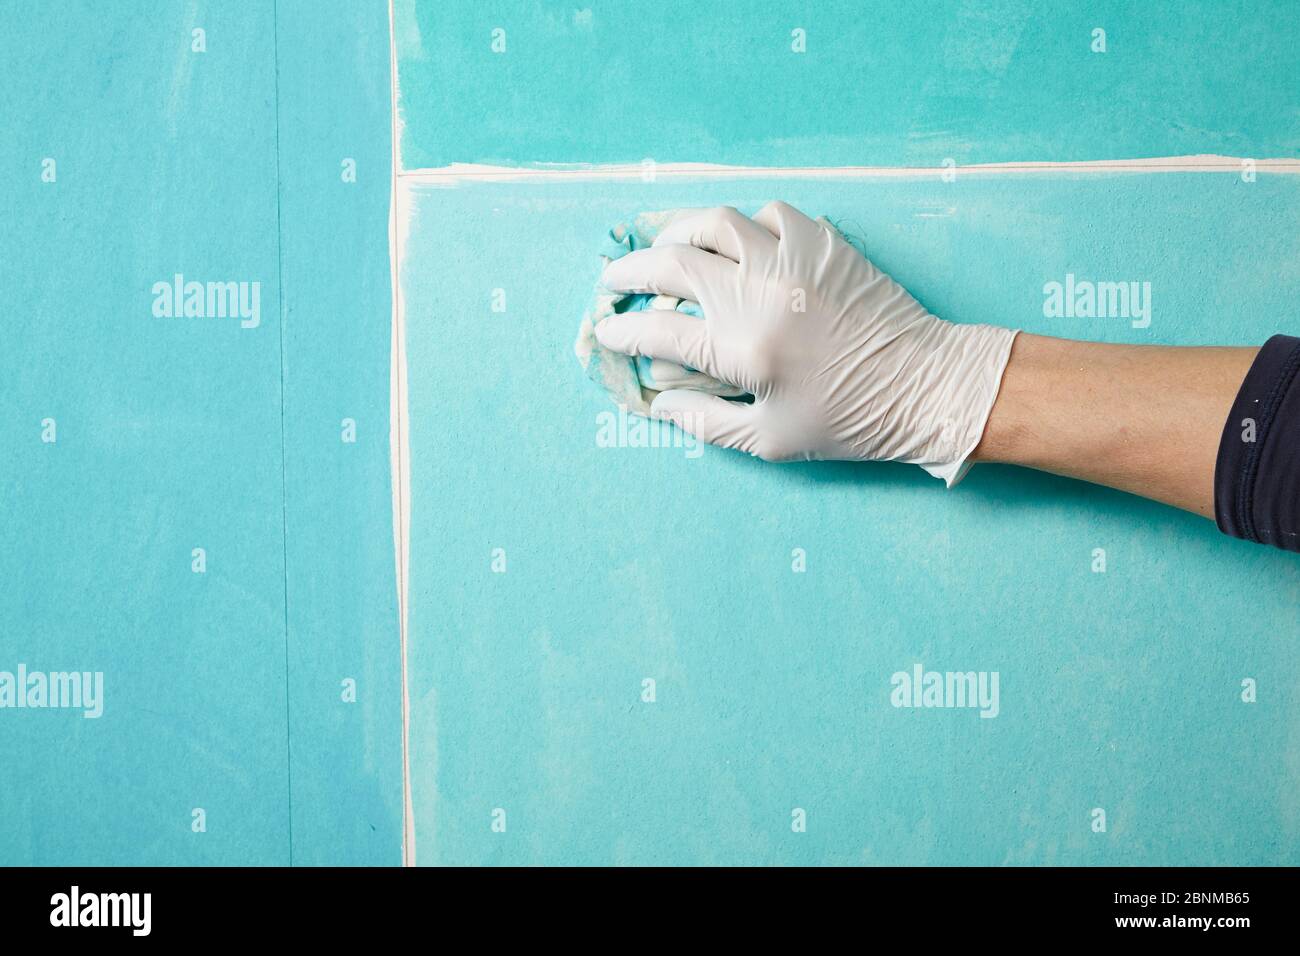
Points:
[[398, 438], [651, 171]]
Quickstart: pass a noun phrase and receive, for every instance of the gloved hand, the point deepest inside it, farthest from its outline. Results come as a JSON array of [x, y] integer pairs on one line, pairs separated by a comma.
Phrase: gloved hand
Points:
[[842, 362]]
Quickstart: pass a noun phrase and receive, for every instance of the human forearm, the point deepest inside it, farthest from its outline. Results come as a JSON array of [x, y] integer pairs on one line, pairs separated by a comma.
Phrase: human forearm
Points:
[[1144, 419]]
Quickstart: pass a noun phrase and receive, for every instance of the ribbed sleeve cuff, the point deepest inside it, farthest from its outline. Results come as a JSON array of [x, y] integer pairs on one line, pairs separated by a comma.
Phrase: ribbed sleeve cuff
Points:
[[1257, 473]]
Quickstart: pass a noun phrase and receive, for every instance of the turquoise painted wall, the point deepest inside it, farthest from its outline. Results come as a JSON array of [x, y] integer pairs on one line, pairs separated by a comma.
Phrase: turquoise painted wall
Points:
[[881, 82], [221, 690], [1119, 690]]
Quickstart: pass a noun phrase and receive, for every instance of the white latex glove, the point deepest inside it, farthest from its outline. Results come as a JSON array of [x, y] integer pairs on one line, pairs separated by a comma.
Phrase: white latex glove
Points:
[[842, 362]]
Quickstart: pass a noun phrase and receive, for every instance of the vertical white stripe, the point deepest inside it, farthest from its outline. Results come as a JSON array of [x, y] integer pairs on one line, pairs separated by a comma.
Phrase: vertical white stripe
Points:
[[399, 447]]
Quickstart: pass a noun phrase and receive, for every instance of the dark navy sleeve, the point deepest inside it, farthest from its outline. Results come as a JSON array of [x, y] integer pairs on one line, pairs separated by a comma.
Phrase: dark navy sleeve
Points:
[[1257, 474]]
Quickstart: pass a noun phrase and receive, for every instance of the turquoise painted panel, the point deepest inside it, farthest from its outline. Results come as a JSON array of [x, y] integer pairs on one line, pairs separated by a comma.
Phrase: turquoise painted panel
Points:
[[1118, 690], [877, 83], [167, 436], [175, 433], [336, 168]]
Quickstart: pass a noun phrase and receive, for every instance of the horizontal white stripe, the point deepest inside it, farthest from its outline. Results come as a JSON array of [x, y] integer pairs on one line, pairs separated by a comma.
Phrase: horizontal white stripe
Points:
[[557, 172]]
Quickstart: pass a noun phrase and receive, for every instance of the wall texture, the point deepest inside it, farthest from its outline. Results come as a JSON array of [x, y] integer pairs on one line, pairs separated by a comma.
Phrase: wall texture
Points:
[[265, 689], [880, 82], [551, 577], [222, 689]]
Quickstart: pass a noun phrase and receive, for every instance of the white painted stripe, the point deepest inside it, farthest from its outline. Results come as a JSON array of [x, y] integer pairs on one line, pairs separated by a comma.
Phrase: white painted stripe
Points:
[[567, 172], [398, 438]]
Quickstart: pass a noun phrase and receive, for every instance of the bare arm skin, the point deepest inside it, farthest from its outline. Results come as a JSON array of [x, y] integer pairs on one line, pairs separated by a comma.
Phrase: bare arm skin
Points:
[[1142, 418]]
